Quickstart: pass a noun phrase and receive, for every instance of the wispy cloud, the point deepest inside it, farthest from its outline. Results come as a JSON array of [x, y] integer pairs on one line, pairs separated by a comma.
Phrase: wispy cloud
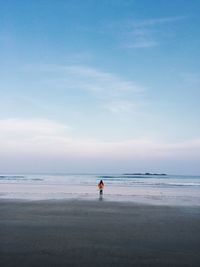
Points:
[[107, 88], [157, 21], [192, 79], [93, 80], [121, 107], [145, 33], [142, 43], [43, 137]]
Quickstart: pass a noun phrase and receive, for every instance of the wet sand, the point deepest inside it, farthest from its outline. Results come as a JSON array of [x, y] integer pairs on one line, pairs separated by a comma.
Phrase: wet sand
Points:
[[97, 233]]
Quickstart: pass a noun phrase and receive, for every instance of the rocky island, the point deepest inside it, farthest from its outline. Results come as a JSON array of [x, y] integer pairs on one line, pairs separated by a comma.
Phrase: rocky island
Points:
[[146, 173]]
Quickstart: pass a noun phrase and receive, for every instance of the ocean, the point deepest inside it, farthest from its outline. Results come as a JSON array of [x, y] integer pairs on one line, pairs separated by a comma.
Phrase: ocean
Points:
[[148, 189]]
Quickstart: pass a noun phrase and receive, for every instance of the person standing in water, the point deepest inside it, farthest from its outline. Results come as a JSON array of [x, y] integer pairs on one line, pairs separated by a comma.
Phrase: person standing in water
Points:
[[101, 186]]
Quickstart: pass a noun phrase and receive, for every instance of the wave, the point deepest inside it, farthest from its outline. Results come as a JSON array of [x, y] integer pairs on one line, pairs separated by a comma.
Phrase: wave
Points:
[[10, 177], [18, 178], [130, 176], [111, 180], [149, 181]]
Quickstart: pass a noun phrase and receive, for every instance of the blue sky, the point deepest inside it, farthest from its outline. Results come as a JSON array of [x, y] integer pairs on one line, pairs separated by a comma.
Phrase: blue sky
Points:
[[100, 86]]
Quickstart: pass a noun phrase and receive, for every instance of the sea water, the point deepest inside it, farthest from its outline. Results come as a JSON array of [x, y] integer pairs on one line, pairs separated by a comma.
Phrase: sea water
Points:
[[151, 189]]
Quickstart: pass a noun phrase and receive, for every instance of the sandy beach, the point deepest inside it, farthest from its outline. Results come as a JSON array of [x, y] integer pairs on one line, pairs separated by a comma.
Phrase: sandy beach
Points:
[[97, 233]]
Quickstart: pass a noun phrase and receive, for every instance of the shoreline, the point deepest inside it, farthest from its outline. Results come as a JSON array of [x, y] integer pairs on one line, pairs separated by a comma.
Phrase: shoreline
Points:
[[97, 233], [132, 199], [101, 200]]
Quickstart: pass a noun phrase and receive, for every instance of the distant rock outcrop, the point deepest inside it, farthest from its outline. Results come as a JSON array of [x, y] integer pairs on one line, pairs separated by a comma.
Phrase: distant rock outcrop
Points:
[[146, 173]]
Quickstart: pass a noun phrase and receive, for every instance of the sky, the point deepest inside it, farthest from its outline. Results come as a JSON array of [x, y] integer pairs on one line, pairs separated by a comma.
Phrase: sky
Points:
[[100, 86]]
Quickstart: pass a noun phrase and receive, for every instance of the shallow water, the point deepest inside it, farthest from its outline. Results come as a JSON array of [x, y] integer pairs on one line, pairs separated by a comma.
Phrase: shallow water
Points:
[[152, 189]]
